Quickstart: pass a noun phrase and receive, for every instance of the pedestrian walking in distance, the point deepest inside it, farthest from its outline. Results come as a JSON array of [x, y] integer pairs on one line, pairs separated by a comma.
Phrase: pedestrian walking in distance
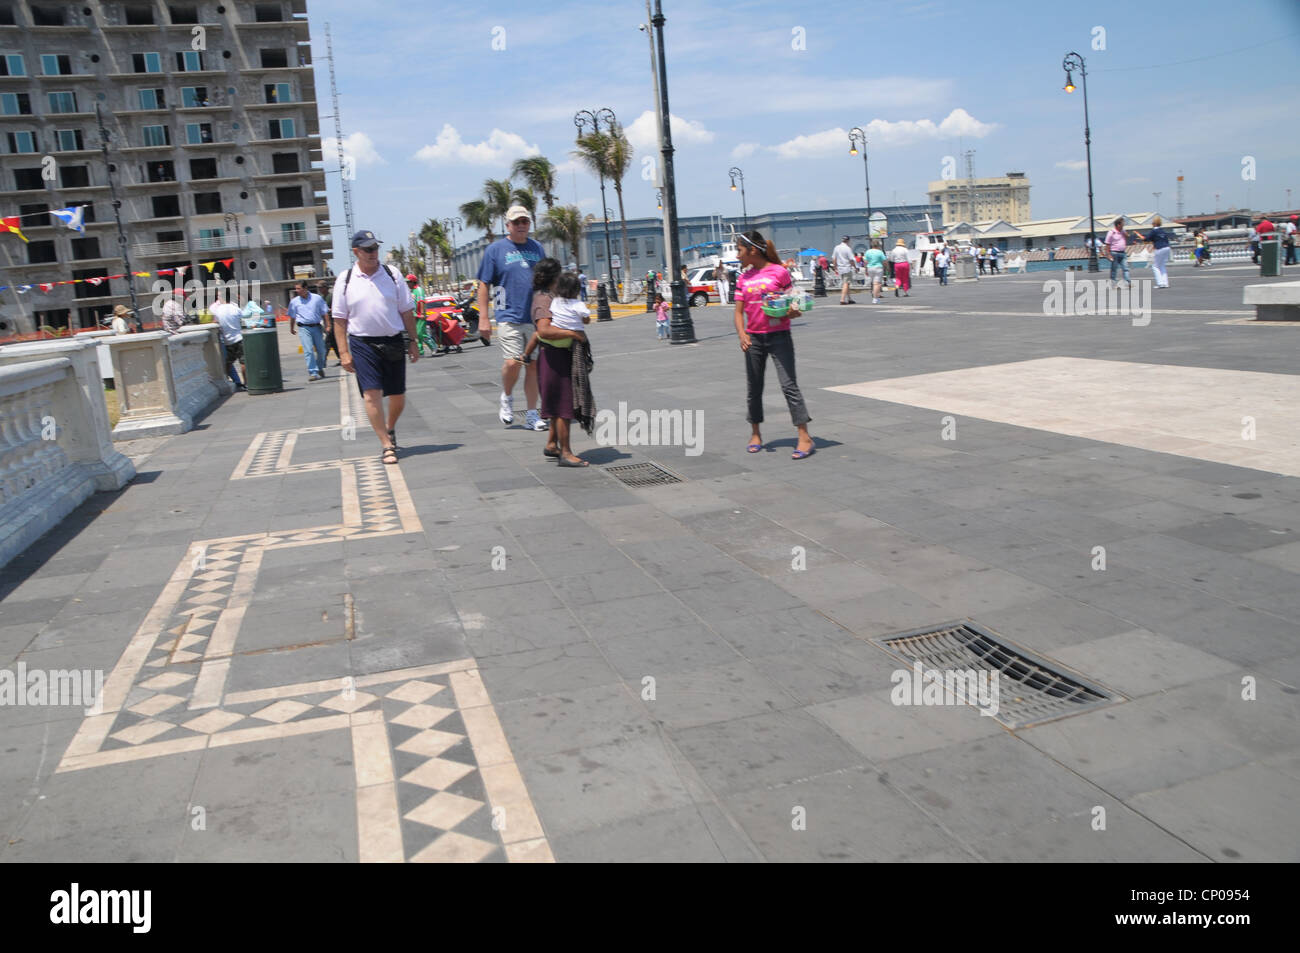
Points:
[[762, 335], [308, 313], [842, 259], [875, 261], [1116, 245], [902, 269], [1159, 239]]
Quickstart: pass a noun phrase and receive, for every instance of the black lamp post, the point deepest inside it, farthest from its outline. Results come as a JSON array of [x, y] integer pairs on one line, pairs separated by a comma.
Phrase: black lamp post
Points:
[[856, 135], [606, 291], [682, 327], [451, 225], [117, 216], [735, 175], [1072, 62], [232, 222]]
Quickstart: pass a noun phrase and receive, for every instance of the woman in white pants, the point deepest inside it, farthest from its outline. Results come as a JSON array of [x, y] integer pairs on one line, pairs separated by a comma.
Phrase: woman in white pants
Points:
[[1159, 240], [724, 284]]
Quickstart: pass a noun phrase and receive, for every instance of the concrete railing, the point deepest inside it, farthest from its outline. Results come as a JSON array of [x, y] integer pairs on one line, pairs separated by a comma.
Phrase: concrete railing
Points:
[[164, 381], [55, 448]]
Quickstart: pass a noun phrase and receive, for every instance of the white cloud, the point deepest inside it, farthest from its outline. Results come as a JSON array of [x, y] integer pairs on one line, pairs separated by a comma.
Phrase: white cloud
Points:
[[881, 132], [497, 149], [1073, 165], [744, 150], [644, 131], [358, 145]]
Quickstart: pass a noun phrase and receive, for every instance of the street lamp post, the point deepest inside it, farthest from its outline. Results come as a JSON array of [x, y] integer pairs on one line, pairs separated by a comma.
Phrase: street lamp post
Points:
[[452, 225], [232, 222], [682, 329], [856, 135], [737, 174], [605, 292], [117, 215], [1072, 62]]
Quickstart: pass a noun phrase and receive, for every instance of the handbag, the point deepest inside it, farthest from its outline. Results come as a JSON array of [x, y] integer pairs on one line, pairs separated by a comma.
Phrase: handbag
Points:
[[389, 351]]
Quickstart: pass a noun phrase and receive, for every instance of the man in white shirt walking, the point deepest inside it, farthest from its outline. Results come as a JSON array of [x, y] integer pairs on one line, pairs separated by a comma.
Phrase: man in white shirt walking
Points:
[[842, 259], [372, 307], [231, 335]]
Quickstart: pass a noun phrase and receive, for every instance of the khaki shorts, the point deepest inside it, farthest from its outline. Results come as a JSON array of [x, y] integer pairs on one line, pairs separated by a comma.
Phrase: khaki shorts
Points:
[[513, 339]]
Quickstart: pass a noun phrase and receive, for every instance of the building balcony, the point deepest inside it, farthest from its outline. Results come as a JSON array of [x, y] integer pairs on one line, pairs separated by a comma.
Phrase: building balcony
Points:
[[134, 150], [216, 243], [304, 103], [154, 249], [161, 184], [295, 141], [211, 107]]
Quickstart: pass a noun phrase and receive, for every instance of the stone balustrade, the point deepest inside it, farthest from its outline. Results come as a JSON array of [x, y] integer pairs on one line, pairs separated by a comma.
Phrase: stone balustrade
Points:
[[55, 450], [164, 381]]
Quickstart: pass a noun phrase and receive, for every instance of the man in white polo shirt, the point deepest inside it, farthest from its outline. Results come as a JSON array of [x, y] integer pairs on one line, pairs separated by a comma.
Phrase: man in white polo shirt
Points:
[[372, 307]]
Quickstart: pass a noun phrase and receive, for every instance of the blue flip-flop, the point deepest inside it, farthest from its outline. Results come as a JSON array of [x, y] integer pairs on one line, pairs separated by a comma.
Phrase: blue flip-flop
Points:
[[803, 454], [754, 447]]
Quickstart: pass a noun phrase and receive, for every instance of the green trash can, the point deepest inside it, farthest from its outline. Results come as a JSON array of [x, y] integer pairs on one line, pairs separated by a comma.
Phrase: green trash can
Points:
[[262, 362], [1270, 256]]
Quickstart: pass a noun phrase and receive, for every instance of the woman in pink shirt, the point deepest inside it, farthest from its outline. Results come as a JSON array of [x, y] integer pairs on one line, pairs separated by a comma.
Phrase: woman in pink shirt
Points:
[[1116, 243], [761, 335]]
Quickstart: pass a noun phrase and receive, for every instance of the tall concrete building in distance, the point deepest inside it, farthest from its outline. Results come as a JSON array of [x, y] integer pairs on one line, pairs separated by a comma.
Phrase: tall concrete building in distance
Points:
[[983, 200], [213, 148]]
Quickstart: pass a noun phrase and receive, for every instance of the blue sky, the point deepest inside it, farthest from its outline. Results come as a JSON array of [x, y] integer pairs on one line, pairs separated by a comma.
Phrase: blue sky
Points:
[[430, 108]]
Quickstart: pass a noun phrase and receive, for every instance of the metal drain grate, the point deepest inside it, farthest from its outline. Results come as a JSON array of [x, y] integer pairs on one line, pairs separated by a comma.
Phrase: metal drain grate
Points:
[[1031, 690], [643, 474]]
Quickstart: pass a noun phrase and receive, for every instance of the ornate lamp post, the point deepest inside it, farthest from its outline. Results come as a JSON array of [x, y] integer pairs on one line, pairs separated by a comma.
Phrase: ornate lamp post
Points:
[[736, 174], [452, 225], [856, 135], [1072, 62]]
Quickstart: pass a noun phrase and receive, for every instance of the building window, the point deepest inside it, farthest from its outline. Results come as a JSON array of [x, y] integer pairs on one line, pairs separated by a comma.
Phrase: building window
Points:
[[7, 15], [15, 104], [21, 141], [69, 140], [203, 168], [166, 206], [146, 63], [210, 238], [280, 128], [64, 102], [28, 180], [293, 232], [274, 59], [183, 14], [12, 64], [267, 12], [47, 16], [153, 99], [85, 248], [207, 203], [189, 61], [138, 15], [74, 176], [197, 133], [632, 246], [284, 162], [290, 197], [87, 290], [192, 96], [161, 171], [600, 252], [649, 247], [56, 64], [157, 136], [277, 93], [31, 211], [38, 253]]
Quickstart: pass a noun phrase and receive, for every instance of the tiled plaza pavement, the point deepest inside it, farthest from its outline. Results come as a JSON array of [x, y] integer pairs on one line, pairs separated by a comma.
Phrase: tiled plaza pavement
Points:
[[313, 658]]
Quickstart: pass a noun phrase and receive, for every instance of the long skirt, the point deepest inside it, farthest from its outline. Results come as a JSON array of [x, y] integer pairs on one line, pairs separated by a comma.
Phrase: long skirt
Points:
[[554, 381], [903, 275]]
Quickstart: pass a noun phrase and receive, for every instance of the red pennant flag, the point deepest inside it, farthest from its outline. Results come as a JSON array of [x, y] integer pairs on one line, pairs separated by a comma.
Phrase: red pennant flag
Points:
[[46, 286], [227, 262], [10, 224], [167, 271], [95, 281], [111, 277]]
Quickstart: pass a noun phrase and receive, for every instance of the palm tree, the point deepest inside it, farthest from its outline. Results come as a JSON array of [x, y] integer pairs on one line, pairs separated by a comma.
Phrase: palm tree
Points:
[[538, 172], [527, 199], [497, 195], [566, 226], [433, 236], [477, 215], [608, 154]]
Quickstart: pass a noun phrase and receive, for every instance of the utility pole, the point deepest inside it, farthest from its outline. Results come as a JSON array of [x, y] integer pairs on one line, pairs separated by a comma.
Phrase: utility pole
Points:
[[117, 216], [1179, 204], [659, 117], [1157, 195], [970, 188]]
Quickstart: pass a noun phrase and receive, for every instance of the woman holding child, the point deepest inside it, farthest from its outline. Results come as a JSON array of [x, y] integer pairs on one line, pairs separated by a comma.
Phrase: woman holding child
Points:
[[558, 315]]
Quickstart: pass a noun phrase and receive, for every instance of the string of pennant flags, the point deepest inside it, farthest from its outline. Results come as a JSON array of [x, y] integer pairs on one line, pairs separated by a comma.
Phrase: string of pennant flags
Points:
[[178, 273]]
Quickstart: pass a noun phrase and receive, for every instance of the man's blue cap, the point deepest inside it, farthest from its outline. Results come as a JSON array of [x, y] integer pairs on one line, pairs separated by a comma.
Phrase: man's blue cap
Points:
[[365, 239]]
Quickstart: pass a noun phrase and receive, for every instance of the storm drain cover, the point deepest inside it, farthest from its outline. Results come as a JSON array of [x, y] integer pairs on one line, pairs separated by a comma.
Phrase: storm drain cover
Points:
[[643, 474], [964, 663]]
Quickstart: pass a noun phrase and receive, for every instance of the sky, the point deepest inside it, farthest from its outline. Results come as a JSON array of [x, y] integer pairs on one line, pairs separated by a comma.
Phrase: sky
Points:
[[436, 98]]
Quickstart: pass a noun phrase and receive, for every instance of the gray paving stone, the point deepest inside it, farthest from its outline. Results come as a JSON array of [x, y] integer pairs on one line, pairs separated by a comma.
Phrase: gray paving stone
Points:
[[596, 587], [1231, 534], [608, 620], [712, 694], [888, 610], [545, 671], [1234, 815], [695, 834], [848, 815], [667, 651], [537, 630], [763, 750], [1129, 837], [505, 601], [574, 719], [740, 598], [1139, 662], [280, 771], [579, 790], [154, 842], [871, 724]]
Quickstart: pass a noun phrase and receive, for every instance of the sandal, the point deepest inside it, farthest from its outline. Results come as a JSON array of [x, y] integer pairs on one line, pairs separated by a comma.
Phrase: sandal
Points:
[[565, 463], [547, 451], [389, 452], [755, 447], [392, 435], [803, 454]]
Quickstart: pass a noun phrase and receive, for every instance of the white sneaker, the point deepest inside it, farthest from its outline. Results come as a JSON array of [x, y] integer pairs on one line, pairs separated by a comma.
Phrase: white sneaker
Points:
[[507, 413], [533, 421]]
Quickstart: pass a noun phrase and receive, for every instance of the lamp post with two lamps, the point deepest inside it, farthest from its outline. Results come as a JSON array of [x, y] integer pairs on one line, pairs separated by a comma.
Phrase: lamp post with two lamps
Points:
[[1072, 62], [856, 135], [606, 291]]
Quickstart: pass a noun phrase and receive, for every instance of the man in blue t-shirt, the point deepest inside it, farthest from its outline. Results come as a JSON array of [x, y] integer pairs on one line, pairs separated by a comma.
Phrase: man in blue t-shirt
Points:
[[508, 266]]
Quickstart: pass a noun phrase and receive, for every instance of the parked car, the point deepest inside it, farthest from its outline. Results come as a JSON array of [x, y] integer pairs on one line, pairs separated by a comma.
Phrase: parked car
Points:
[[701, 288]]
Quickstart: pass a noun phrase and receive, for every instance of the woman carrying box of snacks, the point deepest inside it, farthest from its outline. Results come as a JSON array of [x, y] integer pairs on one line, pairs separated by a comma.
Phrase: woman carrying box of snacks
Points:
[[765, 303]]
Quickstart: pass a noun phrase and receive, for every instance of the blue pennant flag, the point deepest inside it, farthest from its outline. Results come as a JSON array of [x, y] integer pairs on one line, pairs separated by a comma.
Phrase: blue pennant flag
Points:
[[71, 217]]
